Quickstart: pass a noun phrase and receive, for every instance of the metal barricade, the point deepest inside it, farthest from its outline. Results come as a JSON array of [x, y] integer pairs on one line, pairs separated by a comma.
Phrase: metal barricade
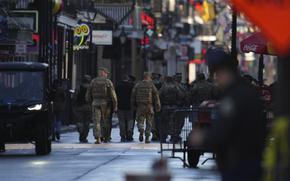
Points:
[[176, 128]]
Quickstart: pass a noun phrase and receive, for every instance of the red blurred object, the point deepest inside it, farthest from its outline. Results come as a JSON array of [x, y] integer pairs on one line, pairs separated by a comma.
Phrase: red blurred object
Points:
[[196, 61], [272, 17], [256, 43], [35, 37], [204, 115], [266, 95], [145, 41]]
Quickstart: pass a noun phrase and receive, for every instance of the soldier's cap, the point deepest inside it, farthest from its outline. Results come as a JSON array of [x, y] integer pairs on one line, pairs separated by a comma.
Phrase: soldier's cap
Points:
[[156, 74], [147, 74], [218, 58], [200, 76], [169, 79], [87, 78], [132, 78], [177, 75], [104, 69]]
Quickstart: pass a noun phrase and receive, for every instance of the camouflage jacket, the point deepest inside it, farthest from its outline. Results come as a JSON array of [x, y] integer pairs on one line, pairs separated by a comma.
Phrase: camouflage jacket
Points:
[[145, 93], [170, 94], [201, 91], [101, 92]]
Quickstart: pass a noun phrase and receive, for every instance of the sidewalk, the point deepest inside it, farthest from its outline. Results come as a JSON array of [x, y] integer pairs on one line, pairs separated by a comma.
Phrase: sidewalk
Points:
[[72, 127]]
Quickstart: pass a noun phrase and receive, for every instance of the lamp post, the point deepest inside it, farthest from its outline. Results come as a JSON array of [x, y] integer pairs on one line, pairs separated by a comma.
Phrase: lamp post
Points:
[[123, 38], [144, 49], [90, 16]]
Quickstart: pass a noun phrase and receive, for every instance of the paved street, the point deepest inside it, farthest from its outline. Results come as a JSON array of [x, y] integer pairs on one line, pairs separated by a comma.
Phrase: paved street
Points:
[[70, 160]]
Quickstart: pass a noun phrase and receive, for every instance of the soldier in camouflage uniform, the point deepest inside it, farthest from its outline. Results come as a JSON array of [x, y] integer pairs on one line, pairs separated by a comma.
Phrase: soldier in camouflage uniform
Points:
[[143, 98], [157, 117], [170, 94], [201, 90], [101, 94], [183, 102]]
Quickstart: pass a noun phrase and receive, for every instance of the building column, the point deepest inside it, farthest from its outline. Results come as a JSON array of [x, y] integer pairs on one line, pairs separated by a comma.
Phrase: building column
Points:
[[133, 56]]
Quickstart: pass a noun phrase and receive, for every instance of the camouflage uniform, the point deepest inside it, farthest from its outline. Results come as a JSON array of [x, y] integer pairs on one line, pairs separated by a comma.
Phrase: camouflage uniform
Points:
[[201, 90], [101, 94], [170, 94], [144, 95], [183, 102]]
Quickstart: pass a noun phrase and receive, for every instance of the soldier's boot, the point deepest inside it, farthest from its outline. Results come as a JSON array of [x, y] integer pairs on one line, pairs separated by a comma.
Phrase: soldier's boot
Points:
[[154, 136], [98, 141], [107, 139], [147, 139], [129, 136], [141, 136]]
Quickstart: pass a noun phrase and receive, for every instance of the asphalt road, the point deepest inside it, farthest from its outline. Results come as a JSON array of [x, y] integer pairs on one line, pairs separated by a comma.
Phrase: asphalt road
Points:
[[70, 160]]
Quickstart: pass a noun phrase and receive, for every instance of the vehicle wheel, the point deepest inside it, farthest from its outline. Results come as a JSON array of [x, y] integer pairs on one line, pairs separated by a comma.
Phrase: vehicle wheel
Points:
[[42, 142], [193, 158]]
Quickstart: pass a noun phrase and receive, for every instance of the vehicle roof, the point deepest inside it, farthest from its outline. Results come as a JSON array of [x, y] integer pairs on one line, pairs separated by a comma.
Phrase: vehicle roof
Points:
[[28, 66]]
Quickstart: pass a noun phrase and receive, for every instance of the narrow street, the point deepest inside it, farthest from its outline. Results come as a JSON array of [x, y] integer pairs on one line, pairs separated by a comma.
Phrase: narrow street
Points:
[[70, 160]]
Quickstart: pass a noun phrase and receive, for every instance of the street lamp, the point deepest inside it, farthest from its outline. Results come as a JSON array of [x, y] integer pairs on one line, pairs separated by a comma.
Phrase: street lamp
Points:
[[90, 16], [123, 38], [91, 12], [144, 28]]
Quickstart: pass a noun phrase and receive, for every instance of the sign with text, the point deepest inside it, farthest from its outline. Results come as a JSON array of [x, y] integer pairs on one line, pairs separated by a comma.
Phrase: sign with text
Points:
[[20, 49], [81, 37], [102, 37], [273, 18]]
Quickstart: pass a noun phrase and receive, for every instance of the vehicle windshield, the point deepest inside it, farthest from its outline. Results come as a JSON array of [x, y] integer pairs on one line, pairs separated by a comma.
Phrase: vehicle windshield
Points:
[[21, 86]]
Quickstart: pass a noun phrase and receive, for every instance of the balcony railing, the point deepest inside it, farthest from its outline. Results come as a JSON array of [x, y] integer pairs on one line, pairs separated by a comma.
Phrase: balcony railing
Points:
[[86, 4]]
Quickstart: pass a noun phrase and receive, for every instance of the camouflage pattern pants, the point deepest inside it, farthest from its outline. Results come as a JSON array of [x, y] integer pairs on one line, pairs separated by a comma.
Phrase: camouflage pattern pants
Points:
[[167, 127], [145, 113], [101, 120], [83, 119]]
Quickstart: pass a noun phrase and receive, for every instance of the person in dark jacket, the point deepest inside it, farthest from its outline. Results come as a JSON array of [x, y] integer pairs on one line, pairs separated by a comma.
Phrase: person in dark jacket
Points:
[[238, 135], [83, 110], [132, 80], [170, 94], [125, 114], [58, 108], [156, 79]]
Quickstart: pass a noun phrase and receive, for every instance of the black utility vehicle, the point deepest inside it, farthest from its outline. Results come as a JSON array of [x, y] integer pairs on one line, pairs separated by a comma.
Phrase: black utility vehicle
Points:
[[25, 107]]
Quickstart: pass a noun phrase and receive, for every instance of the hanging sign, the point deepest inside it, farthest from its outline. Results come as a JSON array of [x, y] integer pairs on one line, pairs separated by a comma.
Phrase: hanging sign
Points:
[[81, 37], [102, 37]]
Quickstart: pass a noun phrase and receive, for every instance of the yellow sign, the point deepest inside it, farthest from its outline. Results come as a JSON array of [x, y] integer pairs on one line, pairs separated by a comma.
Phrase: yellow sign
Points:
[[81, 37]]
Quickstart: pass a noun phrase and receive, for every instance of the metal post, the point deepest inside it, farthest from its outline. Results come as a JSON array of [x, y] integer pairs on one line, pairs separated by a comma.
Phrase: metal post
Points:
[[261, 70], [283, 89], [134, 56], [122, 60], [91, 53], [144, 52]]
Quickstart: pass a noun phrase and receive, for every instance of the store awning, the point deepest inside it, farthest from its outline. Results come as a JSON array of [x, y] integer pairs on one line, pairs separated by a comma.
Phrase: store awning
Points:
[[66, 20], [258, 44], [120, 14]]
